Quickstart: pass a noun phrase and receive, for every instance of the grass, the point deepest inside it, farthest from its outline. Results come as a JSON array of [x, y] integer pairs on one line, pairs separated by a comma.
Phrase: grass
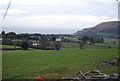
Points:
[[55, 63], [107, 45], [95, 46], [70, 45], [110, 40], [104, 34], [107, 42], [8, 46], [90, 46], [72, 38]]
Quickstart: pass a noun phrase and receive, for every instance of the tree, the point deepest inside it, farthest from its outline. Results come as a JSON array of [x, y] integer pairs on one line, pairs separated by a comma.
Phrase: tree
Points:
[[11, 35], [3, 34], [92, 41], [18, 36], [99, 40], [85, 39], [81, 43], [25, 45], [66, 40], [57, 45], [44, 43], [53, 38], [25, 36]]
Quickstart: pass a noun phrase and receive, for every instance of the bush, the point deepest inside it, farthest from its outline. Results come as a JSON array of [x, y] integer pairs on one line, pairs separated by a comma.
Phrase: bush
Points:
[[24, 45], [44, 43], [57, 45]]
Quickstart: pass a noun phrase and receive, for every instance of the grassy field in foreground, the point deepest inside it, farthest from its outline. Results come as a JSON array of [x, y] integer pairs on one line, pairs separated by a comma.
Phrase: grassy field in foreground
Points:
[[55, 63]]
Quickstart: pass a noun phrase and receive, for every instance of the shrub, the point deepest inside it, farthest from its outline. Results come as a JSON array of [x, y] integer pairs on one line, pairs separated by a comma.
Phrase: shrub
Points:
[[43, 43], [57, 45], [24, 45]]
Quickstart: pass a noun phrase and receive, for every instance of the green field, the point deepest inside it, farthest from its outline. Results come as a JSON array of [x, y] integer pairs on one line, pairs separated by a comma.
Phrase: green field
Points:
[[110, 40], [66, 62], [90, 46], [72, 38], [70, 45], [104, 34], [8, 46]]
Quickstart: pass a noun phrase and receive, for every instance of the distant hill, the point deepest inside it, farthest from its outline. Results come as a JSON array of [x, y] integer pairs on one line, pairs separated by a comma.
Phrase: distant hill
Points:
[[104, 29]]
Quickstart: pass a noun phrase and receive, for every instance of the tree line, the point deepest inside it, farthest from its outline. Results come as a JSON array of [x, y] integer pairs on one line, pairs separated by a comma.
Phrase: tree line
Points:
[[27, 40], [45, 41]]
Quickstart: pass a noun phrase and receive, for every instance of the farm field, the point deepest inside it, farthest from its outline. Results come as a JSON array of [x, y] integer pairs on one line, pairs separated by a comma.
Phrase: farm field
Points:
[[8, 46], [104, 34], [66, 62], [90, 46]]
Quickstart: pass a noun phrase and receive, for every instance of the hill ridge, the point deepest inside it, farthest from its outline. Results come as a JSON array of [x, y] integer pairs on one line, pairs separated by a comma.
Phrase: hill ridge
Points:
[[111, 27]]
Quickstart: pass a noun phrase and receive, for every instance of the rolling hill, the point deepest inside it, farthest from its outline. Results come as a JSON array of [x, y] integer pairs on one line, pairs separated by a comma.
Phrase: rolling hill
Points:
[[105, 29]]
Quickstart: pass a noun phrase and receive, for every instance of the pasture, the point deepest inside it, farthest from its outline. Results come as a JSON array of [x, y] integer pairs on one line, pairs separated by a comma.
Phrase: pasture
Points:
[[104, 34], [66, 62], [91, 46], [8, 46]]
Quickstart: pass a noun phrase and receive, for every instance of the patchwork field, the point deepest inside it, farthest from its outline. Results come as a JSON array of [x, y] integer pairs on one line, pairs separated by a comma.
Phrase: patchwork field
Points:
[[66, 62]]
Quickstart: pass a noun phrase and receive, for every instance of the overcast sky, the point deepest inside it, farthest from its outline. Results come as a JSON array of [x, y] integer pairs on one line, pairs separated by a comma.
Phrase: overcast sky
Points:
[[56, 16]]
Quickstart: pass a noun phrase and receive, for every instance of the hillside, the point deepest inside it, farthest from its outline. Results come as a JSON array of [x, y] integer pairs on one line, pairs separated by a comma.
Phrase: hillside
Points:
[[104, 29]]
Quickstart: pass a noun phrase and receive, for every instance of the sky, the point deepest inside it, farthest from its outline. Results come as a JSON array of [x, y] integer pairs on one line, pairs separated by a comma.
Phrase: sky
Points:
[[56, 16]]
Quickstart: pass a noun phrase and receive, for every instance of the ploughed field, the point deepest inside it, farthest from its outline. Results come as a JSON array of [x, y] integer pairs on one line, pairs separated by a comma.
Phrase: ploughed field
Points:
[[67, 62]]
